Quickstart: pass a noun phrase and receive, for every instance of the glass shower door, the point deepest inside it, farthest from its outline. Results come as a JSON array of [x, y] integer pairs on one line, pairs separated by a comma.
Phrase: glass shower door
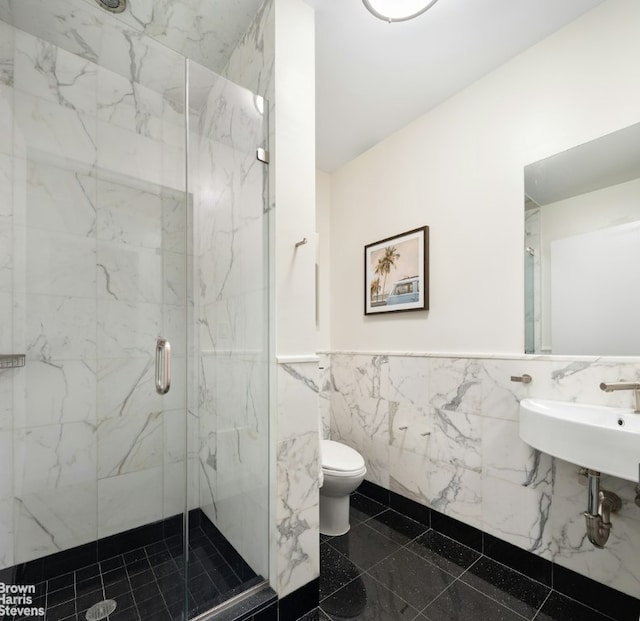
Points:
[[93, 229], [229, 417], [112, 494]]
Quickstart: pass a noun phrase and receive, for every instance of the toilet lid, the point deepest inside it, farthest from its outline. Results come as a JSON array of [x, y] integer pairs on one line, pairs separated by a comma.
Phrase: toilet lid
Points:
[[340, 457]]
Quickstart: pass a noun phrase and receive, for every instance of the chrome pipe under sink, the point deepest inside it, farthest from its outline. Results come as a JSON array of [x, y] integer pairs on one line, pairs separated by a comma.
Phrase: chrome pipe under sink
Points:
[[600, 505]]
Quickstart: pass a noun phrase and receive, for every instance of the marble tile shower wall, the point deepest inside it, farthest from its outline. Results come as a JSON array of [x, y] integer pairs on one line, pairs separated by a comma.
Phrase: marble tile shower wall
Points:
[[297, 472], [231, 299], [443, 431], [91, 265], [213, 32]]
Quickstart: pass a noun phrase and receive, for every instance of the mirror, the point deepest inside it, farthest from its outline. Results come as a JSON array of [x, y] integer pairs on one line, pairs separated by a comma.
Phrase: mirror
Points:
[[582, 249]]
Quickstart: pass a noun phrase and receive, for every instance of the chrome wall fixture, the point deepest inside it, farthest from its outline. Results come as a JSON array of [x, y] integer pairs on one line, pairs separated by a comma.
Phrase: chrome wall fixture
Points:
[[163, 366], [398, 10], [113, 6], [524, 379], [11, 361], [614, 386]]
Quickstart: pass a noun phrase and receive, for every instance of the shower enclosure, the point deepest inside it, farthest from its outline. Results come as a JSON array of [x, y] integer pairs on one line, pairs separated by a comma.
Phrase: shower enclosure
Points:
[[132, 211]]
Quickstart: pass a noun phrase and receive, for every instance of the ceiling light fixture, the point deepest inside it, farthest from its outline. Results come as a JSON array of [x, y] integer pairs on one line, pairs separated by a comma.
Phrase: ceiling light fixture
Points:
[[398, 10]]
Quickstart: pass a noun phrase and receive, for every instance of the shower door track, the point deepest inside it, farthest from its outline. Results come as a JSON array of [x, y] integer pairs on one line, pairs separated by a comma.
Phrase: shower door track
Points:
[[230, 603]]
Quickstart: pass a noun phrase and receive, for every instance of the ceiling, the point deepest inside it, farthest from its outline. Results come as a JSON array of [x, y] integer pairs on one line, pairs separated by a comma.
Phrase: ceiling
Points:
[[372, 77]]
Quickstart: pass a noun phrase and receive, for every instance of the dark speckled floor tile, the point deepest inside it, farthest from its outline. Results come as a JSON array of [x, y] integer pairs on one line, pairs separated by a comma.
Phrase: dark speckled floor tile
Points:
[[414, 579], [362, 508], [390, 567], [315, 615], [559, 608], [335, 570], [365, 599], [515, 591], [462, 603], [364, 546], [396, 526], [446, 553]]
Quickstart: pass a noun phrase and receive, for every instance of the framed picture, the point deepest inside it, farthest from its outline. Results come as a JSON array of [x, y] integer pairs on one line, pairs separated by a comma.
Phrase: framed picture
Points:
[[396, 273]]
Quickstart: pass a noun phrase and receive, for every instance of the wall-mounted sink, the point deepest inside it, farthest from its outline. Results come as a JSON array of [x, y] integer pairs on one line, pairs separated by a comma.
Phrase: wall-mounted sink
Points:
[[601, 438]]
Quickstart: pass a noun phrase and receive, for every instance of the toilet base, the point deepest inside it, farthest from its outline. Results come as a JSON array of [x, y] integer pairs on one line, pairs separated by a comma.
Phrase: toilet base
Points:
[[334, 515]]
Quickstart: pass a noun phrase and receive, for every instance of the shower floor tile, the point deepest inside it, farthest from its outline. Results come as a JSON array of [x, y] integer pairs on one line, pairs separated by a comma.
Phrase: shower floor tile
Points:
[[391, 567], [146, 582]]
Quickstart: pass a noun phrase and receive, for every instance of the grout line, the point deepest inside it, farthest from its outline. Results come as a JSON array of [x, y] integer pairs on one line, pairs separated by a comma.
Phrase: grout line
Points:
[[128, 578], [433, 564], [405, 546], [439, 594], [384, 586], [155, 579], [493, 560], [492, 598], [544, 601], [582, 604], [340, 587]]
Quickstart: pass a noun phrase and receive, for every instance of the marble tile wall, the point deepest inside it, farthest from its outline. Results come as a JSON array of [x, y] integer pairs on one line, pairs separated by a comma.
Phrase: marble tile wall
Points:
[[87, 32], [6, 291], [91, 272], [297, 474], [444, 432], [207, 32]]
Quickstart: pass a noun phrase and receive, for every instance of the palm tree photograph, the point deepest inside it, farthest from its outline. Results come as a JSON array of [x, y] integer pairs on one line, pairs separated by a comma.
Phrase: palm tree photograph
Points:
[[396, 273]]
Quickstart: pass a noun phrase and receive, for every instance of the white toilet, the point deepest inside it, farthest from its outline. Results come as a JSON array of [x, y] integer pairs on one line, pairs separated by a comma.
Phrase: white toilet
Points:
[[343, 470]]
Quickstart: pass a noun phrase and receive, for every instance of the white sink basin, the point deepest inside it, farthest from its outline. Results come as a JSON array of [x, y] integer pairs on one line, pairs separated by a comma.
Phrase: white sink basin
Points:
[[592, 436]]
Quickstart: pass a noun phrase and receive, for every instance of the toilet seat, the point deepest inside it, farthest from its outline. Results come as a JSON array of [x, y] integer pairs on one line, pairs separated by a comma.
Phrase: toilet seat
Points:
[[344, 473], [340, 460]]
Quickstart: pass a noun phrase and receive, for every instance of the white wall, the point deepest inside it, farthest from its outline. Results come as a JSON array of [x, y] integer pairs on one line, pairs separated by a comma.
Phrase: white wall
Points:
[[295, 178], [459, 169], [323, 230]]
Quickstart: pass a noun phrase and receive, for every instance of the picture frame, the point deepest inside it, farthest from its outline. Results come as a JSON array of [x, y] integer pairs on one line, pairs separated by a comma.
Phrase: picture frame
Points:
[[396, 273]]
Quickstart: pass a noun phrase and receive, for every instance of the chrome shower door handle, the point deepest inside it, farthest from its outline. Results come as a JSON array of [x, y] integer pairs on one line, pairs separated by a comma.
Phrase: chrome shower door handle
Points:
[[163, 366]]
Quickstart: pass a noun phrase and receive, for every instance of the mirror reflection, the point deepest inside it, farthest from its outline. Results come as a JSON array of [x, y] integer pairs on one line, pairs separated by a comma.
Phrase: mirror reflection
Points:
[[582, 249]]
